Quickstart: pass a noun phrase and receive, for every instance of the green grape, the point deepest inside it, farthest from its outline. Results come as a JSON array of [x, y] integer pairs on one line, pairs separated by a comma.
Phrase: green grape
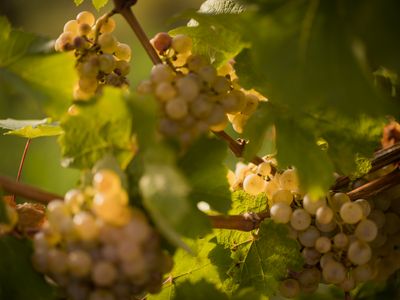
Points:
[[309, 280], [221, 85], [208, 74], [107, 42], [283, 196], [128, 251], [338, 200], [165, 91], [327, 257], [107, 63], [181, 43], [107, 25], [311, 205], [340, 240], [200, 107], [122, 67], [281, 212], [85, 17], [334, 272], [71, 26], [359, 253], [326, 227], [300, 219], [289, 288], [79, 263], [308, 237], [324, 215], [366, 230], [311, 256], [378, 217], [253, 184], [123, 52], [86, 226], [107, 182], [161, 73], [351, 213], [348, 284], [187, 88], [84, 29], [57, 261], [104, 273], [365, 206], [323, 244], [176, 108], [217, 119]]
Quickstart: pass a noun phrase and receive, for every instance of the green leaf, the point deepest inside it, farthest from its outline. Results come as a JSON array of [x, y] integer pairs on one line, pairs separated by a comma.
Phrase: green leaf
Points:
[[262, 261], [28, 72], [99, 3], [78, 2], [31, 128], [309, 59], [15, 267], [214, 31], [199, 291], [98, 128], [204, 168]]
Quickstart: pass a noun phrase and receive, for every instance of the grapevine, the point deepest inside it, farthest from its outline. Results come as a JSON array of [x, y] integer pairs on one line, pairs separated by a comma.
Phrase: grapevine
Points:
[[257, 157]]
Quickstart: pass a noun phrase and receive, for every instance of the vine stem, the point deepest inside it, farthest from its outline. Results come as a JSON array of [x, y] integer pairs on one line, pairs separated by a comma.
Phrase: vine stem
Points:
[[21, 164], [123, 7]]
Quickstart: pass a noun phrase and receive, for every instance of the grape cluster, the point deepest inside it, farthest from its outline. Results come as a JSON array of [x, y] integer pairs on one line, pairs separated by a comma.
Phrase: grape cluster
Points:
[[343, 242], [194, 96], [96, 247], [101, 59]]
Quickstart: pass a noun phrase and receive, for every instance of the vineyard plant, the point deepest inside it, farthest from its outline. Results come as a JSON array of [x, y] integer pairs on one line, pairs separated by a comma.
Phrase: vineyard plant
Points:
[[258, 159]]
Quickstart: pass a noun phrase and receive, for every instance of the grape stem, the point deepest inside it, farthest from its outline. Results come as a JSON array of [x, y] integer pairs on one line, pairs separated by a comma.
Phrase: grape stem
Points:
[[123, 7], [21, 164]]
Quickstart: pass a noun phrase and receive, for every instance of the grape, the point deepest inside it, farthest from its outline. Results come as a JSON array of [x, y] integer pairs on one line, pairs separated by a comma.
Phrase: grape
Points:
[[208, 74], [340, 240], [300, 219], [107, 42], [309, 279], [253, 184], [161, 73], [348, 284], [104, 273], [351, 212], [366, 230], [338, 200], [324, 215], [264, 169], [85, 226], [107, 63], [107, 25], [365, 206], [308, 237], [188, 88], [334, 272], [79, 263], [327, 257], [85, 17], [363, 273], [165, 91], [40, 260], [162, 41], [323, 244], [282, 196], [217, 119], [84, 29], [311, 205], [196, 62], [289, 180], [379, 241], [57, 261], [281, 212], [271, 187], [221, 85], [71, 26], [378, 217], [200, 107], [122, 67], [106, 182], [359, 253], [176, 108], [144, 87], [88, 85], [181, 43], [311, 256], [123, 52], [232, 103], [326, 227], [289, 288]]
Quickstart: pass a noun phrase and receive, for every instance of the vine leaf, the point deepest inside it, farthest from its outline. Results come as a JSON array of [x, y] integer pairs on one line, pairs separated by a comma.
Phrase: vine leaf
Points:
[[100, 127], [15, 265], [203, 166], [221, 7], [29, 72], [99, 3], [262, 261], [31, 128]]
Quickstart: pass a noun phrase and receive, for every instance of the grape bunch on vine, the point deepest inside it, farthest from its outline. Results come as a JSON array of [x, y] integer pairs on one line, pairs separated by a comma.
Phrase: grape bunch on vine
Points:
[[250, 152]]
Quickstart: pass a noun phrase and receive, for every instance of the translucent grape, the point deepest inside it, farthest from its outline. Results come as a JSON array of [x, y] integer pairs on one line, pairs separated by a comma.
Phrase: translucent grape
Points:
[[71, 26], [311, 205], [323, 244], [160, 73], [86, 226], [365, 206], [289, 288], [281, 212], [351, 212], [79, 263], [188, 88], [123, 52], [57, 261], [122, 67], [334, 272], [366, 230], [282, 196], [181, 43], [107, 25], [338, 200], [324, 215], [107, 42], [309, 280], [221, 85], [176, 108], [359, 253], [107, 63], [85, 17], [300, 219], [308, 237], [104, 273], [107, 182], [340, 240], [253, 184]]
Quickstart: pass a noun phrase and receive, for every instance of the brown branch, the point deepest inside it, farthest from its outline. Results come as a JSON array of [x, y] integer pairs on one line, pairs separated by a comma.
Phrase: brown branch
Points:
[[26, 191], [381, 159], [239, 222]]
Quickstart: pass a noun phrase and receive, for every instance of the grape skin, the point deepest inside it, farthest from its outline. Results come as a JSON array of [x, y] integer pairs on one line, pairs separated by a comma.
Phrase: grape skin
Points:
[[253, 184], [359, 252], [300, 219], [281, 212], [366, 230], [289, 288], [351, 212]]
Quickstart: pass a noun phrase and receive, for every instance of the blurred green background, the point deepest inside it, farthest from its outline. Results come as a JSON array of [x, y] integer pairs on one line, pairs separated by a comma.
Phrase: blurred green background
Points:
[[47, 18]]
